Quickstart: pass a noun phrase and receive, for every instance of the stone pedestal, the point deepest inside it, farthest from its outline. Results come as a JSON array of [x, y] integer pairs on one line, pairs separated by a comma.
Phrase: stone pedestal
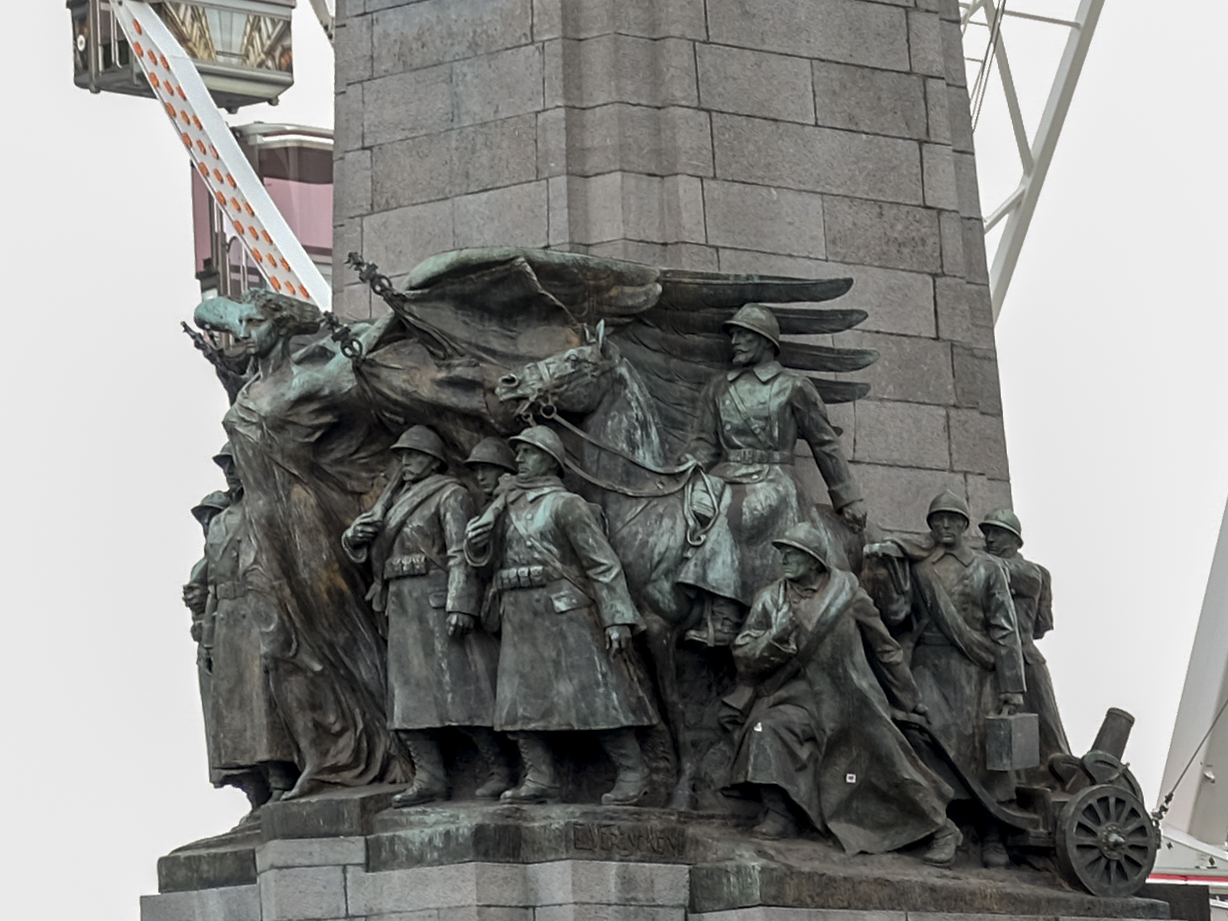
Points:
[[799, 137], [347, 856]]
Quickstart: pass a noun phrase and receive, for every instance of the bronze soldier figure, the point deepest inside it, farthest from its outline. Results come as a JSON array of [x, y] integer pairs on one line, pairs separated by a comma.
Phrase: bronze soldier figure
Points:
[[196, 589], [816, 738], [489, 460], [249, 746], [566, 659], [441, 671], [1032, 592], [196, 600], [966, 657], [750, 419]]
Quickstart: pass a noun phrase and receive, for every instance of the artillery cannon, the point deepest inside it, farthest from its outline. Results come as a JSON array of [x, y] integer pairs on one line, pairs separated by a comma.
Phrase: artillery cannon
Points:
[[1090, 818]]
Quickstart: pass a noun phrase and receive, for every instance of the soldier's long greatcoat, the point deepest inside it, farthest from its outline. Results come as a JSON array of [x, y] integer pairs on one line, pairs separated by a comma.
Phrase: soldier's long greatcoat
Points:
[[420, 577], [965, 651], [821, 728], [559, 586], [1032, 592], [244, 725], [749, 422]]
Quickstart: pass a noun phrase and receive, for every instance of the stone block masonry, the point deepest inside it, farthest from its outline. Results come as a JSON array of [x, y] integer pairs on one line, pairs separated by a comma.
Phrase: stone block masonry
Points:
[[801, 137], [483, 862]]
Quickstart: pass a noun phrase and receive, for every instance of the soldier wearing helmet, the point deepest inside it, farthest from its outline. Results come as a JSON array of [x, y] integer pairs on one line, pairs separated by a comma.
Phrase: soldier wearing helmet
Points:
[[1031, 590], [225, 458], [750, 419], [441, 671], [489, 460], [966, 657], [562, 597], [799, 653], [246, 737]]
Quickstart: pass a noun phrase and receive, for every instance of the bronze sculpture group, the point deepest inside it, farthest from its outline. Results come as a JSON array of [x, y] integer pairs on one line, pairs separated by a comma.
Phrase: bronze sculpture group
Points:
[[500, 517]]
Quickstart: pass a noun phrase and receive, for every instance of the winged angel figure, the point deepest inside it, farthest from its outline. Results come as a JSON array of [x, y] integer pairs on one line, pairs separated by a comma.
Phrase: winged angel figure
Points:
[[614, 354]]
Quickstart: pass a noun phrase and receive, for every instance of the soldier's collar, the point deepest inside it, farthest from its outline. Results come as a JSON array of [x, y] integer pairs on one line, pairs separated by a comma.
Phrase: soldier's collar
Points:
[[533, 488], [765, 371], [964, 554]]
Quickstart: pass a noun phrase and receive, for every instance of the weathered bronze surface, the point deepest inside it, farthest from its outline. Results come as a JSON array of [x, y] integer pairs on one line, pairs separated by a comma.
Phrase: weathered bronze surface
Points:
[[552, 502]]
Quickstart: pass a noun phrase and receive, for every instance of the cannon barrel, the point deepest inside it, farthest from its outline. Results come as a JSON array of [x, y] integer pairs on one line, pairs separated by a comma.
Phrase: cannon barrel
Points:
[[1114, 732]]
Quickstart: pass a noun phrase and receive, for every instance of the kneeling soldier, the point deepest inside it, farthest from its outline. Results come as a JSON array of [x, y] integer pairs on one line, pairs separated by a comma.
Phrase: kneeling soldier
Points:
[[566, 660], [441, 672]]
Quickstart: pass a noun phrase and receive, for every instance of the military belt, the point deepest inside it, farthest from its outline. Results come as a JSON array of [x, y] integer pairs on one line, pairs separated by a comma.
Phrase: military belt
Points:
[[230, 591], [413, 564], [755, 456], [523, 577]]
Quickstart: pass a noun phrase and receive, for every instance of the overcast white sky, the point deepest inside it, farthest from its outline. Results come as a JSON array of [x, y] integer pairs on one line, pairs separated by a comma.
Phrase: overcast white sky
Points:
[[1112, 362]]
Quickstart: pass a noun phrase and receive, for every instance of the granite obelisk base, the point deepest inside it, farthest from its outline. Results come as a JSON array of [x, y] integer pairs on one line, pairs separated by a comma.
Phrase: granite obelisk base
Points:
[[348, 856]]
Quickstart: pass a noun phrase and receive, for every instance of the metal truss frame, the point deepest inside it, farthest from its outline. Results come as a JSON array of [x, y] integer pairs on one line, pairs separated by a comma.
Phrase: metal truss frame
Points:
[[326, 12], [1035, 153]]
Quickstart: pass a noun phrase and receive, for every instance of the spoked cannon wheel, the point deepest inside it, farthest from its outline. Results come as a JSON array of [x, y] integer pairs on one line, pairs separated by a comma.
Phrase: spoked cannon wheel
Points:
[[1105, 841]]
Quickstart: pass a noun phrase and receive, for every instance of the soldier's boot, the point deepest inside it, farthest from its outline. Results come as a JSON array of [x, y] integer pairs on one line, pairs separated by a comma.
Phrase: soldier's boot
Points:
[[430, 781], [254, 786], [942, 848], [720, 622], [280, 776], [993, 851], [537, 782], [631, 783], [779, 821], [499, 780]]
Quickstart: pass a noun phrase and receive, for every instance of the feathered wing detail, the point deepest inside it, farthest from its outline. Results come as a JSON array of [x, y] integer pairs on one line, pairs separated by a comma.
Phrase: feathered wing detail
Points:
[[506, 306]]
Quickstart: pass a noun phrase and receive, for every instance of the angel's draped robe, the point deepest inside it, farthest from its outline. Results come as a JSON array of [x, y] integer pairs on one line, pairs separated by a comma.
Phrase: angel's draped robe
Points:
[[308, 448]]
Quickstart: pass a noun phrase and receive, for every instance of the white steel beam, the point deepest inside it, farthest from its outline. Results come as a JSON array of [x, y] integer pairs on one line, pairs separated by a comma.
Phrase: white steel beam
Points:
[[1036, 152], [219, 160], [1199, 747], [326, 12]]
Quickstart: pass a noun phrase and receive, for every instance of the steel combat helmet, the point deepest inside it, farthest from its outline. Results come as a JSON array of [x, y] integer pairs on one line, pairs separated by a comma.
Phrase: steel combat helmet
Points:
[[225, 452], [493, 451], [947, 501], [214, 502], [805, 537], [544, 439], [758, 319], [1005, 519], [422, 439]]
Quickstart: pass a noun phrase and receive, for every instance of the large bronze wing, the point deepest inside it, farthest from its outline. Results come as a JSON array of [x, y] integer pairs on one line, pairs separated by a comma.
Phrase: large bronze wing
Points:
[[506, 306]]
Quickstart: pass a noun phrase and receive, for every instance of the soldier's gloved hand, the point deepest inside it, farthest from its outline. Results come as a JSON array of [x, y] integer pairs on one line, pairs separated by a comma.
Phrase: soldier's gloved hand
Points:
[[1009, 703], [478, 531], [363, 530], [855, 514], [197, 631], [459, 624], [618, 638]]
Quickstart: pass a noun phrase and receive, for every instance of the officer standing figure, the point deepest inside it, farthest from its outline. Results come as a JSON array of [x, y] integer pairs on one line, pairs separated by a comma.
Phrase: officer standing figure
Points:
[[750, 420], [1032, 592], [566, 659], [441, 671]]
